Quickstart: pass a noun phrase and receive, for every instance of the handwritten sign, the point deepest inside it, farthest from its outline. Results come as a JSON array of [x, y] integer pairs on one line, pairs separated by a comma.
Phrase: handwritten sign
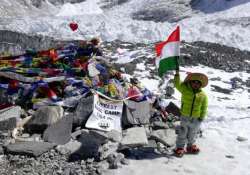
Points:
[[106, 115]]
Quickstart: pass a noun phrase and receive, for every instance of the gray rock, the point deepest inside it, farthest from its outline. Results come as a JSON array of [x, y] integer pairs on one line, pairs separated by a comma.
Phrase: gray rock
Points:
[[134, 137], [26, 138], [29, 148], [36, 137], [103, 166], [107, 149], [127, 67], [5, 139], [44, 117], [165, 136], [21, 42], [124, 161], [151, 144], [112, 3], [135, 113], [3, 97], [9, 117], [241, 139], [120, 158], [83, 111], [114, 136], [115, 160], [220, 89], [248, 82], [1, 150], [159, 125], [162, 11], [61, 2], [75, 134], [173, 109], [69, 148], [25, 135], [66, 171], [99, 135], [89, 146], [229, 156], [60, 132]]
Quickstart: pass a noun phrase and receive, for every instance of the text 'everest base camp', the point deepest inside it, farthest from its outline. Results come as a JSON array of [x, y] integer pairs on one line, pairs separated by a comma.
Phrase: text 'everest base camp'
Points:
[[124, 87]]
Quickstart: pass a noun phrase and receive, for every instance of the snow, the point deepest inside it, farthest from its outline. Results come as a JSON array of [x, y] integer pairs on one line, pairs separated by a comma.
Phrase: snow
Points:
[[150, 84], [218, 5], [126, 56], [221, 152], [228, 25], [87, 7]]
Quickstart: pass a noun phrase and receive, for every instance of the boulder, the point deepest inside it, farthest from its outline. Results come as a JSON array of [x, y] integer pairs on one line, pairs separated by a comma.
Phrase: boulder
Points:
[[9, 118], [107, 149], [221, 90], [44, 117], [165, 136], [135, 113], [83, 111], [114, 159], [60, 132], [101, 136], [89, 146], [173, 108], [29, 148], [114, 136], [159, 125], [69, 148], [134, 137], [1, 150], [3, 97], [242, 138], [76, 134]]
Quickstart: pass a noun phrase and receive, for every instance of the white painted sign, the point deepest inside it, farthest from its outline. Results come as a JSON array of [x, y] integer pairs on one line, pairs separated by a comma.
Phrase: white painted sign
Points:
[[106, 115]]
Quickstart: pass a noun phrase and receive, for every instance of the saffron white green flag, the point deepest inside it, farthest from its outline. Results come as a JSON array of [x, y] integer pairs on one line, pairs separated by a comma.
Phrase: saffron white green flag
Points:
[[168, 53]]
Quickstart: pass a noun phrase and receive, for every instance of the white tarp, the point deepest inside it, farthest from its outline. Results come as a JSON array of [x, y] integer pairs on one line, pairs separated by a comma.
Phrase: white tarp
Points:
[[106, 115]]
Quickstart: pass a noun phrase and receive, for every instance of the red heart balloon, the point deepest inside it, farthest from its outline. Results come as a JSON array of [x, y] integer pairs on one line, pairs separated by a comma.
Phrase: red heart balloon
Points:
[[73, 26]]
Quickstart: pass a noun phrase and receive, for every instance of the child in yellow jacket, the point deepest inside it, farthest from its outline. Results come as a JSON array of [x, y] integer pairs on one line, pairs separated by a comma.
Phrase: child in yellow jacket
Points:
[[194, 104]]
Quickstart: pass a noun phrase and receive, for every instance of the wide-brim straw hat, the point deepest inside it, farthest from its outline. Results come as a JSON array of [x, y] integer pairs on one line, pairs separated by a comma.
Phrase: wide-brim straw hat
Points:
[[197, 76]]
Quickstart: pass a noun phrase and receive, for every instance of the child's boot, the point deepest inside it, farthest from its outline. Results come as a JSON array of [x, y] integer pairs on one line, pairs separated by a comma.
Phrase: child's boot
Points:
[[193, 149], [179, 152]]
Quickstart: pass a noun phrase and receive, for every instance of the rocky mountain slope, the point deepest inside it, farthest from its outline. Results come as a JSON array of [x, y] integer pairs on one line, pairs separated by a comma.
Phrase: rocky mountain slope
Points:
[[20, 8], [161, 11], [209, 54]]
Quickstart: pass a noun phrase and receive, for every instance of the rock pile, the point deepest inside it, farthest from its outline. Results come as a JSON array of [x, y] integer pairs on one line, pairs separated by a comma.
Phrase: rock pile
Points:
[[52, 135], [62, 149]]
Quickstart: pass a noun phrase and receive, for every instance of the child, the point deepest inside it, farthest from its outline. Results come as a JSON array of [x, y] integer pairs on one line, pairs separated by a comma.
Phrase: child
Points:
[[194, 104]]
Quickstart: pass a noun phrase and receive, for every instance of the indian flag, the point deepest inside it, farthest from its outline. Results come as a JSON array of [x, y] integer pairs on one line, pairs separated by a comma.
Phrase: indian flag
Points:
[[168, 52]]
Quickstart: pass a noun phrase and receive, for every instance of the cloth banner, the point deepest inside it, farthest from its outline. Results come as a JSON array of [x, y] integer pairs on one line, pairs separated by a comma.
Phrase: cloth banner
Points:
[[106, 115]]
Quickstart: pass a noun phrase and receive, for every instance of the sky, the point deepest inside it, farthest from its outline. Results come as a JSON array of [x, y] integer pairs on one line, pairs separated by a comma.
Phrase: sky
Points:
[[228, 114]]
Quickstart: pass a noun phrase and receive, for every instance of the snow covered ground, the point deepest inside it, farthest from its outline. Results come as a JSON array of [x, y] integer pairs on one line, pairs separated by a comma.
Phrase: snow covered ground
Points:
[[222, 150]]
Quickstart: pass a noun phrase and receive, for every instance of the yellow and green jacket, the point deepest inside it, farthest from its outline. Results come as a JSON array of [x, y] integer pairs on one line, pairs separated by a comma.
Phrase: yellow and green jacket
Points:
[[193, 103]]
